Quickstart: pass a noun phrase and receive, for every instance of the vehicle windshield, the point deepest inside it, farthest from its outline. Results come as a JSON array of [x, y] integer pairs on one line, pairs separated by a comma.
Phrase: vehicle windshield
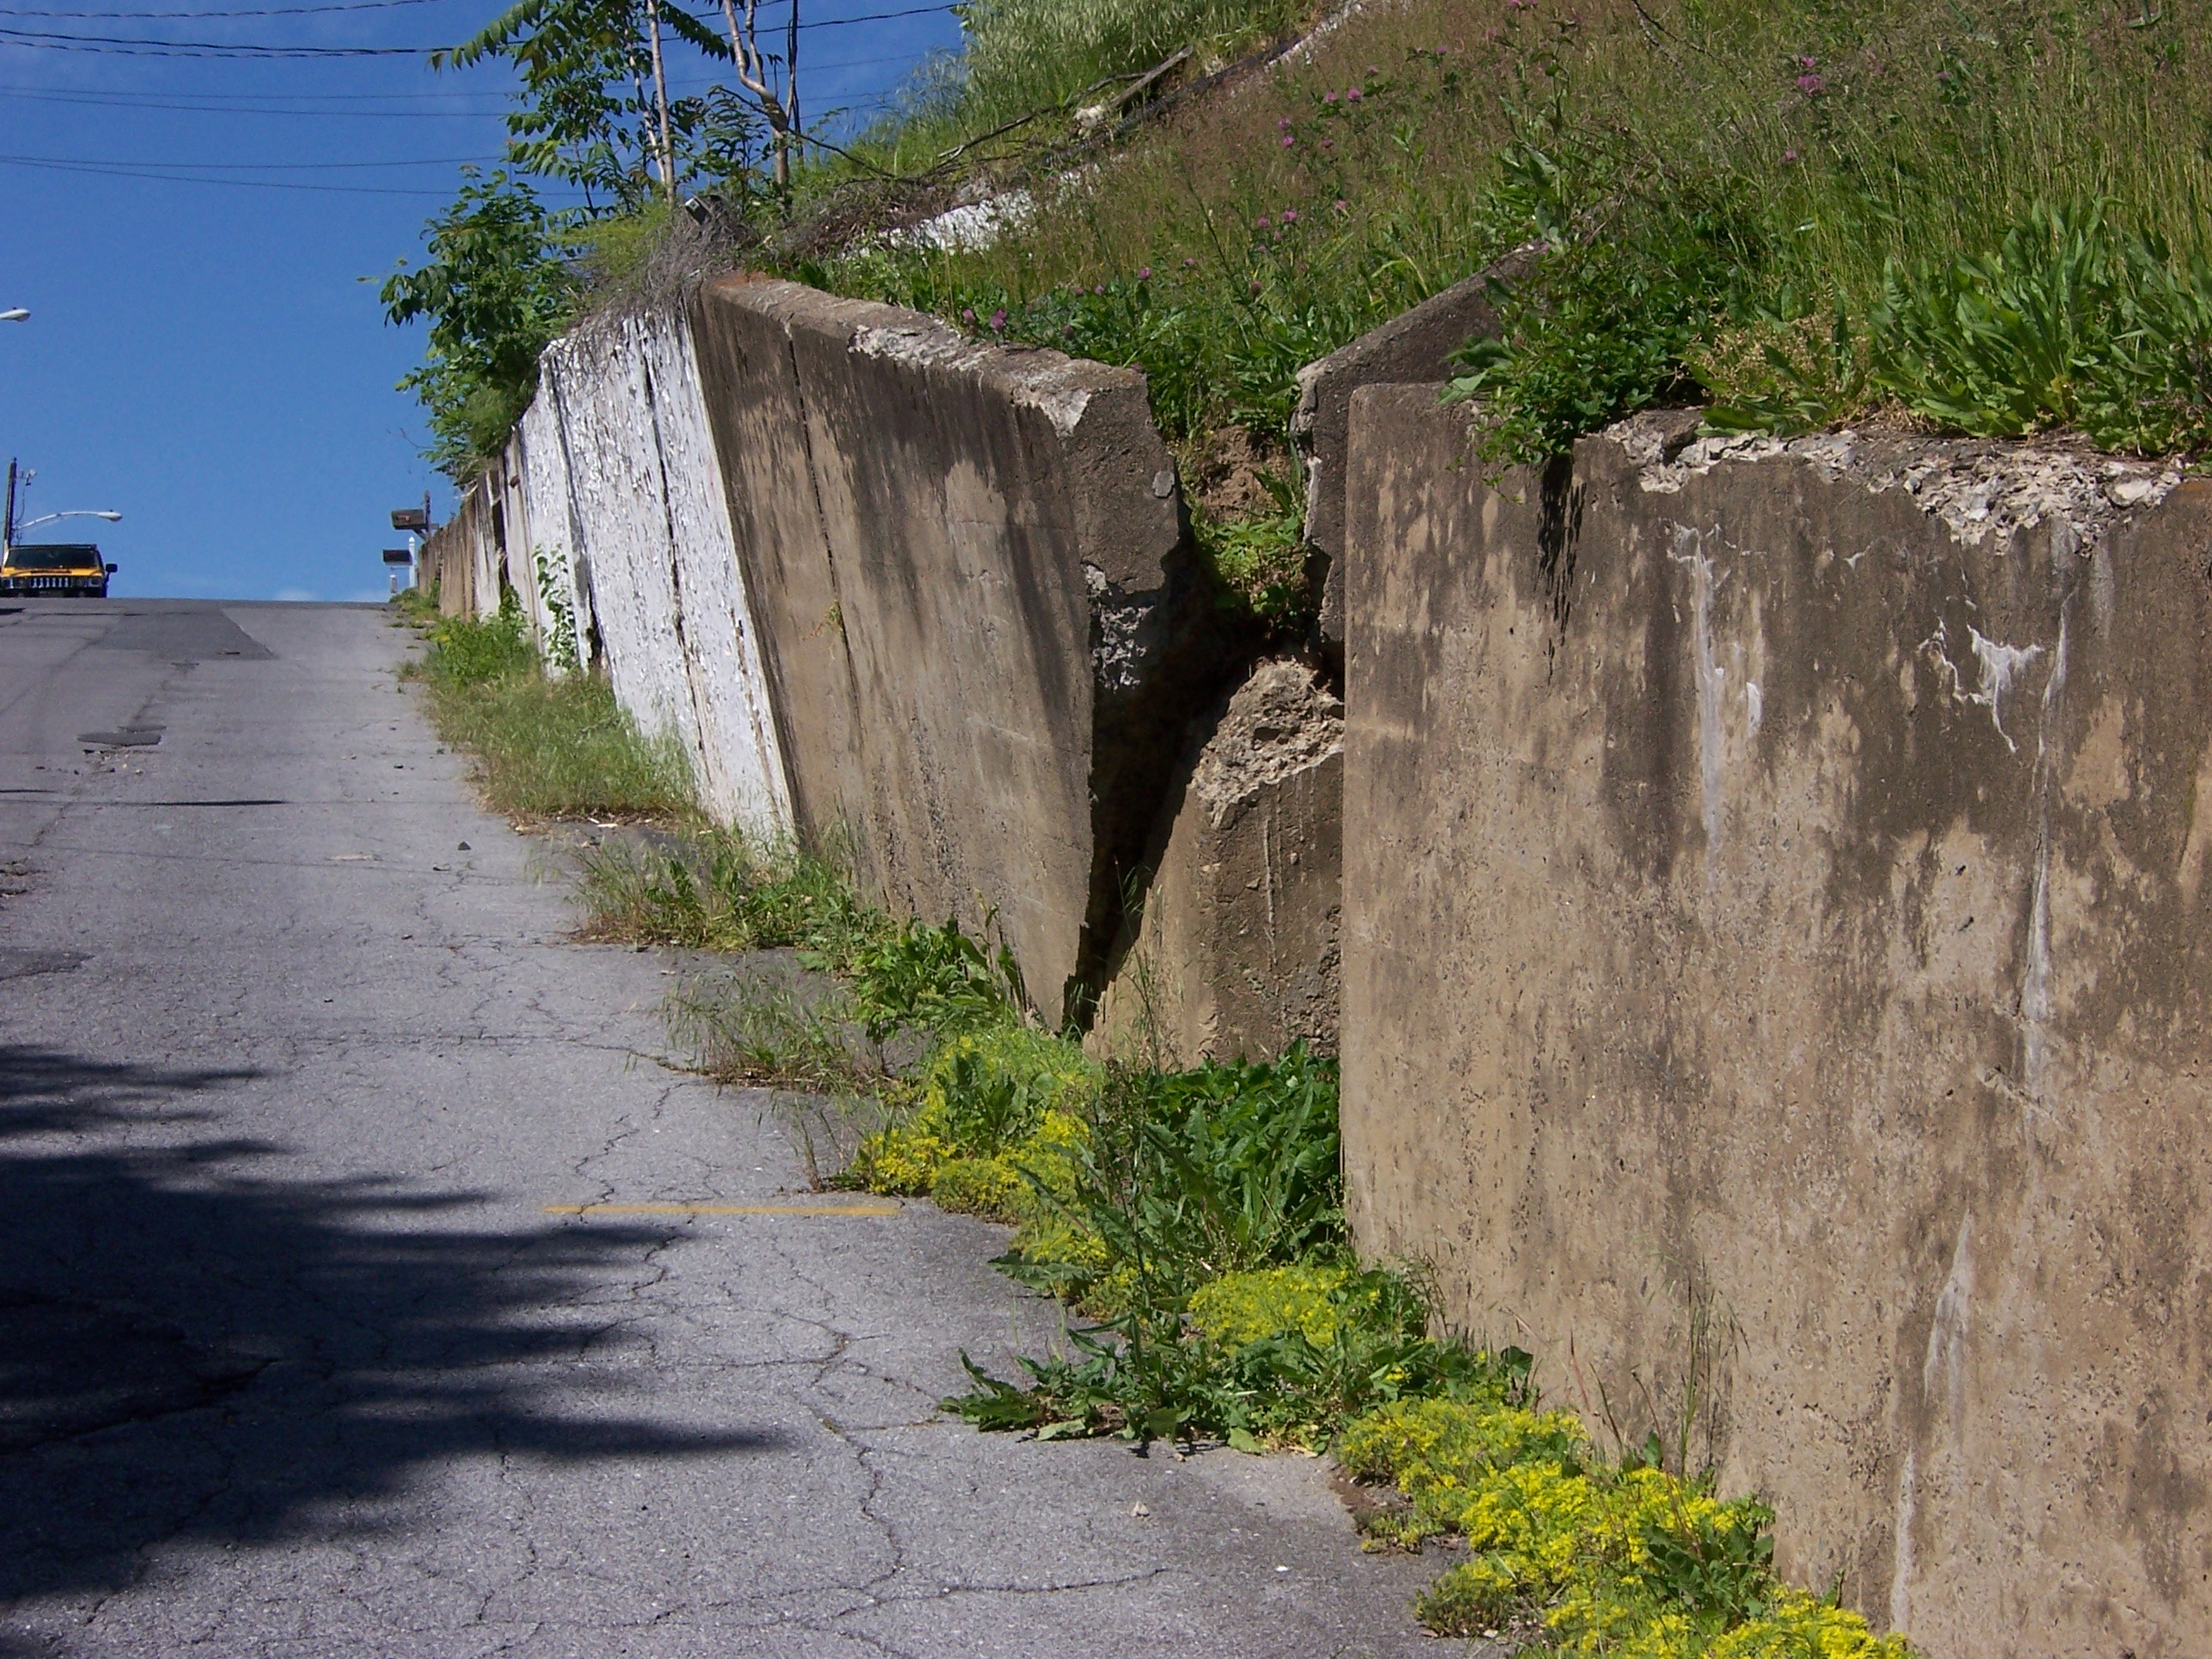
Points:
[[52, 556]]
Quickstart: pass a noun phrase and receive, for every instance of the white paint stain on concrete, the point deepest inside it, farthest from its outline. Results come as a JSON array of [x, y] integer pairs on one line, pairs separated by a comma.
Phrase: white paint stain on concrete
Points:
[[1690, 550], [626, 495], [1900, 1577], [2035, 1002], [1943, 1371], [2000, 665]]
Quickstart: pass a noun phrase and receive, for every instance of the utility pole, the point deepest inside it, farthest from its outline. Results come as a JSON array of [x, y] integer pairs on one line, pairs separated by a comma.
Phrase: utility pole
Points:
[[8, 537]]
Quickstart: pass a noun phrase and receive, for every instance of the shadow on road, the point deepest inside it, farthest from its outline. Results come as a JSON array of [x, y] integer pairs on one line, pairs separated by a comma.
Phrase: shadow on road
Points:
[[190, 1349]]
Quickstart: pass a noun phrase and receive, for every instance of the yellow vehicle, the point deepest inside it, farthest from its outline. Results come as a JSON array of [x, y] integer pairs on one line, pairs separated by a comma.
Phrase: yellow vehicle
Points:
[[55, 569]]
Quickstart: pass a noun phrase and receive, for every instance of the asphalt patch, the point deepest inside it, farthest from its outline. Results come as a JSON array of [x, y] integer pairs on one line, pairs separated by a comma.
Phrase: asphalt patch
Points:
[[185, 633]]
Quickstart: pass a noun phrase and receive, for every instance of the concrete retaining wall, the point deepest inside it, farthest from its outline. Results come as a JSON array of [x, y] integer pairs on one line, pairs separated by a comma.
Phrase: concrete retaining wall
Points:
[[1775, 955], [645, 556], [978, 617], [1416, 345], [462, 557]]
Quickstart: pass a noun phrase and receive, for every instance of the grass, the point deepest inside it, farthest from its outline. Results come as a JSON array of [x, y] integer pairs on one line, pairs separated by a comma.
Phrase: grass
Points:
[[706, 887], [545, 747], [2002, 201], [1028, 65]]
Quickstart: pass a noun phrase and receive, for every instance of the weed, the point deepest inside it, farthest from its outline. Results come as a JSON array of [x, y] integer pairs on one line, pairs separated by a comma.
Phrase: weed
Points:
[[416, 605], [546, 748], [1005, 1095], [1613, 1557], [561, 631], [826, 1130], [1190, 1174], [932, 979], [711, 888], [1028, 59], [1714, 186], [1353, 1341], [753, 1028], [1261, 562]]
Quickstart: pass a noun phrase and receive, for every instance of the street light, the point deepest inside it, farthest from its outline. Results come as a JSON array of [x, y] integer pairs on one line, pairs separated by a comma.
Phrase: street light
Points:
[[74, 512], [15, 314]]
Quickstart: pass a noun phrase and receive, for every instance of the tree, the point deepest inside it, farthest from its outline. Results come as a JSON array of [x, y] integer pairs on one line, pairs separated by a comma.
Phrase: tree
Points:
[[757, 75], [593, 108], [495, 291]]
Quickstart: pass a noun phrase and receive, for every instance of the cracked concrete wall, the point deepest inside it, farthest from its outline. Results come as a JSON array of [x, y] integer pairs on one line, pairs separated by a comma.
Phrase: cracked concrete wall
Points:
[[978, 611], [1775, 953], [626, 497], [1235, 952]]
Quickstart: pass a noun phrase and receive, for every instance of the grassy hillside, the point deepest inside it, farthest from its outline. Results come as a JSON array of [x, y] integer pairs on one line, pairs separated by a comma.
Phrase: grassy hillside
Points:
[[1990, 215]]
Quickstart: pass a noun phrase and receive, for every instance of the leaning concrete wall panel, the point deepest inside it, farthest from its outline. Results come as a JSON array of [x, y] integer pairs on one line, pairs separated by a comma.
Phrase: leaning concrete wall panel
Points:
[[742, 766], [972, 558], [1775, 957], [618, 493]]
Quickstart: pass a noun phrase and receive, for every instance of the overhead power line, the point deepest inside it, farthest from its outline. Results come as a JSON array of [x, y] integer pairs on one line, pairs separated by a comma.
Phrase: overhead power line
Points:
[[140, 46], [332, 6], [261, 11], [249, 166], [100, 171], [97, 101]]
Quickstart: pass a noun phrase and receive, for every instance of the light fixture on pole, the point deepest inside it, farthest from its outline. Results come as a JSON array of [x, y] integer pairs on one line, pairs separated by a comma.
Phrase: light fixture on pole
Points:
[[74, 512], [15, 314]]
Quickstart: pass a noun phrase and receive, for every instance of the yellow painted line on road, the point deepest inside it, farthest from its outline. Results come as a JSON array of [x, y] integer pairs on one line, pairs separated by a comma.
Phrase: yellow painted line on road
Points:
[[723, 1209]]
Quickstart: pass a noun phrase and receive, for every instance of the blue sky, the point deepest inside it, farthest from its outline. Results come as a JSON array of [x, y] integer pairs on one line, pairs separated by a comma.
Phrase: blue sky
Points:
[[203, 356]]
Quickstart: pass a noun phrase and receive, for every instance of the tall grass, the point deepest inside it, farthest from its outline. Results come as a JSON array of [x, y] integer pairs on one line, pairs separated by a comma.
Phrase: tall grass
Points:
[[1709, 177], [1040, 59], [546, 748]]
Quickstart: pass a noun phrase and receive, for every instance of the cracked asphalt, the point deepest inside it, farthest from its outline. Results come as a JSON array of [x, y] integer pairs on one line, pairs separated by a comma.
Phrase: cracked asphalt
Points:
[[294, 1360]]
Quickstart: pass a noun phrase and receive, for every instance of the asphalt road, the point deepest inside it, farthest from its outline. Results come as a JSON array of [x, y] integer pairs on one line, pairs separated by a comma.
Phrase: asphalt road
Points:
[[298, 1355]]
